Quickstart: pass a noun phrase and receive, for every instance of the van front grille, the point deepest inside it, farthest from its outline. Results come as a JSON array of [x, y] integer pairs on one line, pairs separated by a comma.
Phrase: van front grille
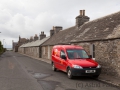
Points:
[[89, 67]]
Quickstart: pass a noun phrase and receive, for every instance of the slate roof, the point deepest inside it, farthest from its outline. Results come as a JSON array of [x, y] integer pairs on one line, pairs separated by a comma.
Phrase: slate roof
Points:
[[107, 27], [62, 36], [35, 43]]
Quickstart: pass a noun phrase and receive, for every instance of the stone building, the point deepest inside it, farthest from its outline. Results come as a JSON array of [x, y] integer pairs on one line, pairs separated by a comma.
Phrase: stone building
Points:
[[21, 41], [33, 48], [100, 38], [15, 45]]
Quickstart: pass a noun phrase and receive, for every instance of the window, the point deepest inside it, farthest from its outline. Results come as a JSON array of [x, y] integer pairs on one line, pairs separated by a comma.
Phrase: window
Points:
[[77, 54], [62, 53], [92, 50]]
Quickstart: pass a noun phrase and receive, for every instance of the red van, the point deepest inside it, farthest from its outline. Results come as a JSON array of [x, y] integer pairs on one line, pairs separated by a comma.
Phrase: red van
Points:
[[74, 61]]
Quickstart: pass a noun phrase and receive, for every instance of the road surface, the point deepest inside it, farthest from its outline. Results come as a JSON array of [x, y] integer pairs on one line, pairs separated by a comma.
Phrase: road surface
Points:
[[19, 72]]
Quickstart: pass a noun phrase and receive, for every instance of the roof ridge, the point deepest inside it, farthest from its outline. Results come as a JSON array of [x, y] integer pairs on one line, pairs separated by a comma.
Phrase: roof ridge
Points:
[[67, 28], [95, 20]]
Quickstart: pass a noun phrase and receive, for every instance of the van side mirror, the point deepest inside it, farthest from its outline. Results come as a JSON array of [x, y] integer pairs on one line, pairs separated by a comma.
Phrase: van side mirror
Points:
[[63, 57], [90, 56]]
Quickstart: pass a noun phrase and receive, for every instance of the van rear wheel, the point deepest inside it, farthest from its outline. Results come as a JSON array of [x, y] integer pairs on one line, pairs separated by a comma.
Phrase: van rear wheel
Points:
[[69, 73], [53, 67]]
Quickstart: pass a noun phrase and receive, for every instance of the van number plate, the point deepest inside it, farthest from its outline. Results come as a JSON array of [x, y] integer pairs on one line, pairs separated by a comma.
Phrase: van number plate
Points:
[[90, 71]]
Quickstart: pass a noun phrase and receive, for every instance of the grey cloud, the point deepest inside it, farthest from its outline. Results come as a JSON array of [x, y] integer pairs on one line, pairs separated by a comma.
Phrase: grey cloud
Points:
[[29, 17]]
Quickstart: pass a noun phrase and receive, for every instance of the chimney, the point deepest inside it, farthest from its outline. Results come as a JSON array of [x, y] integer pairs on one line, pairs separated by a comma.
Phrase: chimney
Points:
[[57, 29], [52, 31], [42, 35], [35, 37], [31, 38], [27, 40], [81, 19]]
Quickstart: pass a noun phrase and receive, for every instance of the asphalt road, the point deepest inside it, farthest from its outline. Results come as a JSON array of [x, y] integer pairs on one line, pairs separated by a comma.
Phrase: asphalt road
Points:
[[19, 72]]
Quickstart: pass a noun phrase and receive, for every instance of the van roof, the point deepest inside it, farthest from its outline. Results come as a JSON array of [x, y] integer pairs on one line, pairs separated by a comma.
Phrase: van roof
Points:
[[68, 46]]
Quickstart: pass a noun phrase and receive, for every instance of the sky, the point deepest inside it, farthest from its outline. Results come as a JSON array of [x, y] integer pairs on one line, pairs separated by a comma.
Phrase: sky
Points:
[[29, 17]]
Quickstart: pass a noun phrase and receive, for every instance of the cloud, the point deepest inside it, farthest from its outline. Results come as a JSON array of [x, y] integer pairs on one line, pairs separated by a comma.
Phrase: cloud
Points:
[[29, 17]]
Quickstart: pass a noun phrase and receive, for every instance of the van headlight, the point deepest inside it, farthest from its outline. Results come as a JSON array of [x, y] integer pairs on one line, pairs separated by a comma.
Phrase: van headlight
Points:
[[77, 66], [98, 66]]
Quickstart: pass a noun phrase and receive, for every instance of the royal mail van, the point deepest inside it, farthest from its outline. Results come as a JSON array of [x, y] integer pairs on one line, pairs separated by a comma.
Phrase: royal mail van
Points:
[[74, 61]]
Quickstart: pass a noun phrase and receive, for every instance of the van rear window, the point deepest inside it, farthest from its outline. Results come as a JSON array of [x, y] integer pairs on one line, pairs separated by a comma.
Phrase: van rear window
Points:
[[77, 54]]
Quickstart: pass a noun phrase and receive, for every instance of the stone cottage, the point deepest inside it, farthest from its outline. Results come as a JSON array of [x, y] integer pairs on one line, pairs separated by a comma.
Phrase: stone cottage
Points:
[[100, 38], [32, 47]]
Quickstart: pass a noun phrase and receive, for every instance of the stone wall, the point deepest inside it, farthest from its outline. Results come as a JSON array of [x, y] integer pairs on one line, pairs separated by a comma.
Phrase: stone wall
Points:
[[35, 52], [51, 51], [31, 51], [46, 54], [21, 50], [107, 54]]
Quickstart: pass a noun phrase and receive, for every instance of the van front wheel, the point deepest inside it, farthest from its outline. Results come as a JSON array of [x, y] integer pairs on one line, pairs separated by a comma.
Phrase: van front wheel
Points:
[[69, 74], [53, 67]]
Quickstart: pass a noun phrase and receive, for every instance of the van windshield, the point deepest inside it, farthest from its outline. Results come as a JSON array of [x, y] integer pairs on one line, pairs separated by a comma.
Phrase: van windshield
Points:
[[77, 54]]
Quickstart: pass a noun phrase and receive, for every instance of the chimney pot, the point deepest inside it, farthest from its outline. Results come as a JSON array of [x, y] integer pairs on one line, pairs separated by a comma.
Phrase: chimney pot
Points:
[[81, 12], [35, 35], [53, 27]]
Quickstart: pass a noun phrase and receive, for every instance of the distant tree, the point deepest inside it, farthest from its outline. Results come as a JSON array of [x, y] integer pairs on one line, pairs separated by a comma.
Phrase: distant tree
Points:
[[1, 47]]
